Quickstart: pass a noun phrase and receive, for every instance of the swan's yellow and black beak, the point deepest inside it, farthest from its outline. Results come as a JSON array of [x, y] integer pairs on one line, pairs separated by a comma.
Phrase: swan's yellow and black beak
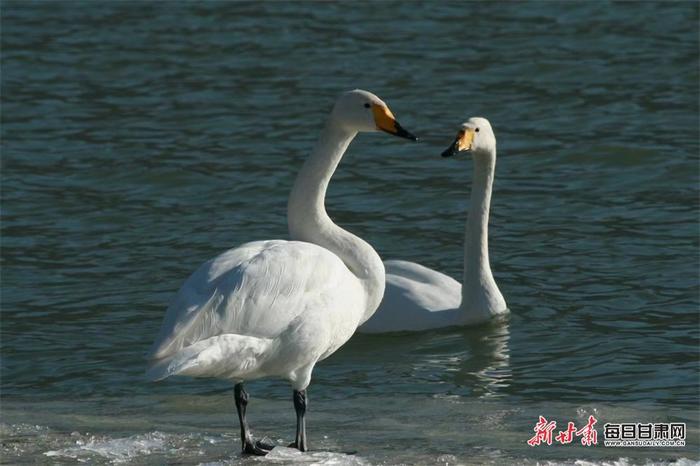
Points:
[[463, 141], [386, 122]]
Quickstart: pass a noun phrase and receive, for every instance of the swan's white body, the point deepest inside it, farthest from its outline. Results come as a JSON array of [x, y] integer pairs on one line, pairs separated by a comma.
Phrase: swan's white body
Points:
[[275, 308], [266, 308], [418, 298]]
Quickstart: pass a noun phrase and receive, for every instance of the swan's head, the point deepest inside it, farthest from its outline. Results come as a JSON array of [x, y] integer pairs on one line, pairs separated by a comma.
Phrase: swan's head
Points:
[[360, 110], [475, 135]]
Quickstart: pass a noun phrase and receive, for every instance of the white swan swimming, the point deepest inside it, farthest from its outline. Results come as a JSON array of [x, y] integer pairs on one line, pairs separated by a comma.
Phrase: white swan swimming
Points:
[[276, 308], [418, 298]]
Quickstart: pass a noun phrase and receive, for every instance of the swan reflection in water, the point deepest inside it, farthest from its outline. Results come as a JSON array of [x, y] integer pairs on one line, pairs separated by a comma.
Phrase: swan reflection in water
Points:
[[454, 361], [472, 361]]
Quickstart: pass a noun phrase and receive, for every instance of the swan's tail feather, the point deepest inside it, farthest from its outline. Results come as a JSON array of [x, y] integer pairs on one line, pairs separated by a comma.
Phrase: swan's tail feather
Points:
[[225, 356]]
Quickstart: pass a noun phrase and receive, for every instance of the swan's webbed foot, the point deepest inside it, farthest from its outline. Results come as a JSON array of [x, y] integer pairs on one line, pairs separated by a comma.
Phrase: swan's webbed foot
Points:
[[258, 447], [265, 443]]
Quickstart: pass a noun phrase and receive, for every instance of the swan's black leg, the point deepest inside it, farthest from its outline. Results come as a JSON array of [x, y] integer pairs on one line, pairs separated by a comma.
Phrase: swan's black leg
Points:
[[249, 445], [300, 404]]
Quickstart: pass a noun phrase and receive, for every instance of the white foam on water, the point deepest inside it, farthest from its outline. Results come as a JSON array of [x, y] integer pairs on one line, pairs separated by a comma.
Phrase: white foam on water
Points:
[[86, 448], [27, 440], [117, 450], [285, 455], [7, 430]]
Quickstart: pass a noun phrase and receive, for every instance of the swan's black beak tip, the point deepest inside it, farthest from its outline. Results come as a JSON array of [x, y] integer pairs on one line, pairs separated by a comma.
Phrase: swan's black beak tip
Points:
[[450, 151], [402, 133]]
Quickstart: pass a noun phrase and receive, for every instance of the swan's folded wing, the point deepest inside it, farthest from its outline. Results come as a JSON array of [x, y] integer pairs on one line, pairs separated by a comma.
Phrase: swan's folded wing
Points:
[[222, 356], [426, 288], [418, 273], [255, 290]]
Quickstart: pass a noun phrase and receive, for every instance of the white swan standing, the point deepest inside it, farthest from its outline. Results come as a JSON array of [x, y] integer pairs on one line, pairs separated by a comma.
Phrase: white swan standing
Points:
[[418, 298], [276, 308]]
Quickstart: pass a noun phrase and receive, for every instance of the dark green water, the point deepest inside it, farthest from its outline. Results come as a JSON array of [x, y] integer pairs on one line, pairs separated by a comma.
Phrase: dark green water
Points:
[[141, 139]]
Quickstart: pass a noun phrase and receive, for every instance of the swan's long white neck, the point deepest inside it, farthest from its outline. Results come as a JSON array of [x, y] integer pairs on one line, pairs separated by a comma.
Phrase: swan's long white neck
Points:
[[308, 220], [481, 297]]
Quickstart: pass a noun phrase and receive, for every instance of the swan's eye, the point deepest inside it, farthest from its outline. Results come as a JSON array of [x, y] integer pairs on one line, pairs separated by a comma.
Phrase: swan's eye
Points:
[[366, 105], [476, 130]]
